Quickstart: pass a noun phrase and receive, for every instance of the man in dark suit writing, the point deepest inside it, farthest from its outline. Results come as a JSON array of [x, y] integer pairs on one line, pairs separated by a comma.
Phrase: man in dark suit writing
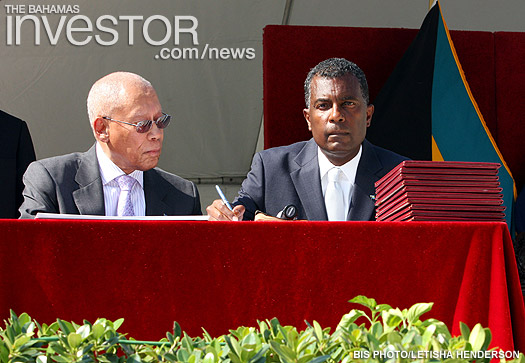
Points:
[[331, 176], [118, 175]]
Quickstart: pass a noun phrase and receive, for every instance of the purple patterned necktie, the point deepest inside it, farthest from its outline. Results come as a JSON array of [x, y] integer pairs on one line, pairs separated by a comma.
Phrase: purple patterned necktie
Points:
[[125, 206]]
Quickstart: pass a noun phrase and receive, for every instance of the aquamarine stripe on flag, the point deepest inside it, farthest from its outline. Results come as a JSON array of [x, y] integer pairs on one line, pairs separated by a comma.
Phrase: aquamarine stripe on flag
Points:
[[457, 125]]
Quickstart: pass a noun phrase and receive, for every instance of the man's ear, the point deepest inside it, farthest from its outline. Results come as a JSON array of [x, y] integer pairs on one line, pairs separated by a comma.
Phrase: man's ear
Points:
[[369, 113], [101, 130], [306, 115]]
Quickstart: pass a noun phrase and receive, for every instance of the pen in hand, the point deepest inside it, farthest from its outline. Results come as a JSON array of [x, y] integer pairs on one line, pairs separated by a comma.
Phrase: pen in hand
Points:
[[223, 197]]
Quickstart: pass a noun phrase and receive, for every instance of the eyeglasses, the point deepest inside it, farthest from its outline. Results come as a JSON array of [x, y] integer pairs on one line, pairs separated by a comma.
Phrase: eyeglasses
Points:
[[144, 126]]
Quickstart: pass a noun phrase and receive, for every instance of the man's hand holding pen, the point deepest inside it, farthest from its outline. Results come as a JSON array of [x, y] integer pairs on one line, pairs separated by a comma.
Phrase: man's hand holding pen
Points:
[[221, 209], [218, 211]]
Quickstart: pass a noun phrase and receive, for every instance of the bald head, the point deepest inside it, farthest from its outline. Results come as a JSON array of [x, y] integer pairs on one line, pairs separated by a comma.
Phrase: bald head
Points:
[[115, 92]]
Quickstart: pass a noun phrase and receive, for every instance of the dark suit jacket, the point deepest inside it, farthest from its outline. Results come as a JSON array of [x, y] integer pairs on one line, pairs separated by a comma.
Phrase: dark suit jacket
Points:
[[16, 153], [290, 175], [71, 184]]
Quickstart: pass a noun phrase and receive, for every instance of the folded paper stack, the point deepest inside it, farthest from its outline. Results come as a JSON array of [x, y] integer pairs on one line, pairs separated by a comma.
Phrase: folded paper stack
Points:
[[440, 191]]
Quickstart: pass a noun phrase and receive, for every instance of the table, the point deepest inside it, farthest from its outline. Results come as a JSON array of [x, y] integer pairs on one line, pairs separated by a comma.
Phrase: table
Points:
[[220, 275]]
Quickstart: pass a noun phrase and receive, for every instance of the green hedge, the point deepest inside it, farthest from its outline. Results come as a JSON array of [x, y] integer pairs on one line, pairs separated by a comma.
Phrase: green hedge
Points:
[[384, 334]]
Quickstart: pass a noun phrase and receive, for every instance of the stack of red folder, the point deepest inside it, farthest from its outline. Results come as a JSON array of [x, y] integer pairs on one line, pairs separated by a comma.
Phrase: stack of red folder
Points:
[[440, 191]]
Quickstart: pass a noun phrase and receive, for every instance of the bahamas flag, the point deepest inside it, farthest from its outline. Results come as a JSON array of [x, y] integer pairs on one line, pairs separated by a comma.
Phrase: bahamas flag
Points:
[[427, 104]]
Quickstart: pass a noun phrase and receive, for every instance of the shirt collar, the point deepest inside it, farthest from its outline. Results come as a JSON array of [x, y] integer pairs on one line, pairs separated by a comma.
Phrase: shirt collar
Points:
[[109, 171], [349, 168]]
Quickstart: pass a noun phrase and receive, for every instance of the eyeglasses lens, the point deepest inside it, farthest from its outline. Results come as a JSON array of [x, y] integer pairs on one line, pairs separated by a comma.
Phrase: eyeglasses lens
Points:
[[162, 122]]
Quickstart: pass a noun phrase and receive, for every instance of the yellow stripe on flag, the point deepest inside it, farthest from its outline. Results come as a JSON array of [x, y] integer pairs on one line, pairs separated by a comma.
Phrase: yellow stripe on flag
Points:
[[436, 154]]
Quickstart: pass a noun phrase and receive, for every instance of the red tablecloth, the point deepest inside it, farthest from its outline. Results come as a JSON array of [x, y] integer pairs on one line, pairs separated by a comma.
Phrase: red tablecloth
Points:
[[222, 275]]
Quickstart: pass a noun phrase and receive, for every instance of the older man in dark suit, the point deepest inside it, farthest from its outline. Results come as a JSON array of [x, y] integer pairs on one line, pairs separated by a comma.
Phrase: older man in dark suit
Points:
[[331, 176], [118, 175]]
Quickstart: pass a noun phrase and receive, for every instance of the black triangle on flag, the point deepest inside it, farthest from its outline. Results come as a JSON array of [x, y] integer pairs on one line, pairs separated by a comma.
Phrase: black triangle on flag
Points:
[[402, 116]]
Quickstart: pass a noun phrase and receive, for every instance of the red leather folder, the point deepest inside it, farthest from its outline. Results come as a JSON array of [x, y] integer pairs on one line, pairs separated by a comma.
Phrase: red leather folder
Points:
[[390, 178], [442, 168], [443, 198], [407, 213], [461, 192], [452, 208], [437, 205], [432, 190]]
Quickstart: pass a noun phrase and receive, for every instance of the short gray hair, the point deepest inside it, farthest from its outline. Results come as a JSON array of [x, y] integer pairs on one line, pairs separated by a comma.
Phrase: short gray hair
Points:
[[336, 68], [108, 93]]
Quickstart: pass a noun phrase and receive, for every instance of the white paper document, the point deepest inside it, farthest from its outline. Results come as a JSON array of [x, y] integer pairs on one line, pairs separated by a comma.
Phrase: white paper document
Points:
[[138, 218]]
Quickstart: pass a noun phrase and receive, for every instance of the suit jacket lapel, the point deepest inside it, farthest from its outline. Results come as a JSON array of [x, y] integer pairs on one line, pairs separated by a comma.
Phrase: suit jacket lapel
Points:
[[363, 196], [89, 197], [154, 193], [307, 182]]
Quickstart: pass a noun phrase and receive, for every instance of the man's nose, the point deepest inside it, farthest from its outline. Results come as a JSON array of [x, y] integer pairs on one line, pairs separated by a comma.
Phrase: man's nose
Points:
[[155, 133], [336, 115]]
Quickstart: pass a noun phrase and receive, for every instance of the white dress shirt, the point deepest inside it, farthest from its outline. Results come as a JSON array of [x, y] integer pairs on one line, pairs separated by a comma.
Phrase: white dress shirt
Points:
[[347, 179], [108, 172]]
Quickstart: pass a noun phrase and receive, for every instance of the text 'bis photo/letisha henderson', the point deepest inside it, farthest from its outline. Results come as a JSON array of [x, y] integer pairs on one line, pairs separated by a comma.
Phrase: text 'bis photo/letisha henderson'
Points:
[[172, 37]]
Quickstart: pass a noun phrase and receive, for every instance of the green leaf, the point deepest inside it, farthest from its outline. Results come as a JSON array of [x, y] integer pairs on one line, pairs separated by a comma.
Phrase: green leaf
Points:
[[382, 307], [65, 326], [249, 341], [177, 331], [117, 323], [4, 352], [394, 337], [135, 358], [59, 358], [57, 348], [24, 319], [417, 310], [9, 336], [465, 331], [292, 339], [14, 322], [229, 341], [320, 359], [196, 355], [488, 338], [209, 358], [54, 327], [427, 335], [170, 357], [21, 340], [182, 355], [260, 356], [363, 300], [262, 326], [74, 340], [392, 318], [30, 328], [84, 331], [349, 318], [393, 321], [318, 331], [408, 338], [376, 330], [275, 324], [285, 353], [187, 343], [236, 347], [477, 337], [98, 331], [306, 358]]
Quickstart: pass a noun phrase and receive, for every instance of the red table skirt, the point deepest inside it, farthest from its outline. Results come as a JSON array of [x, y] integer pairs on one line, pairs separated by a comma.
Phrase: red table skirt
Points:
[[222, 275]]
